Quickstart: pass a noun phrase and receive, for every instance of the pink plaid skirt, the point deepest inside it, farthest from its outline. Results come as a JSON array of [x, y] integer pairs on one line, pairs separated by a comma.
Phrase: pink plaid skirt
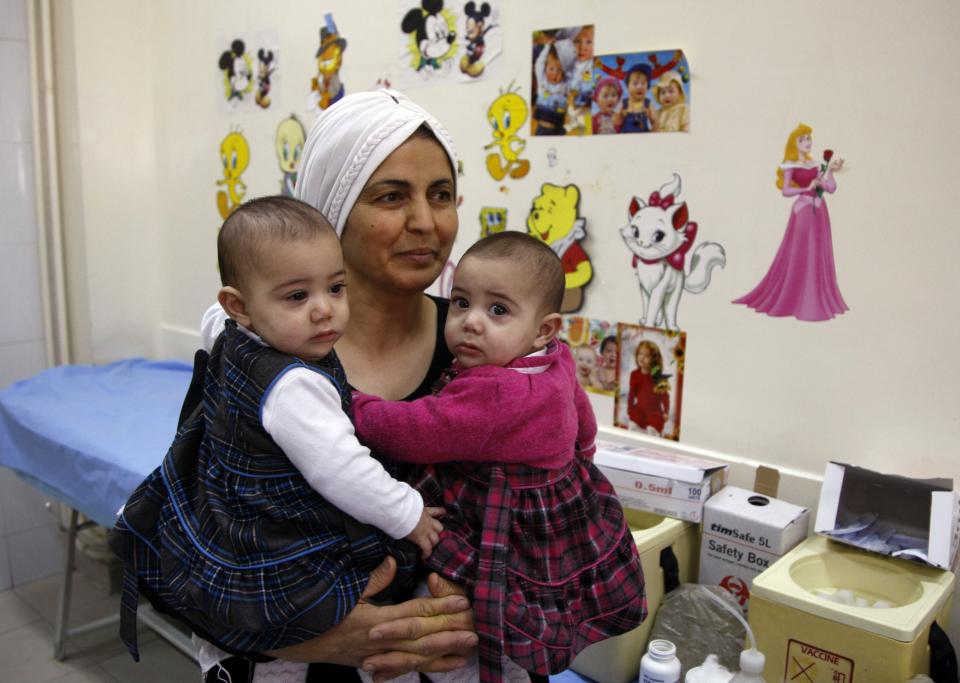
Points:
[[546, 556]]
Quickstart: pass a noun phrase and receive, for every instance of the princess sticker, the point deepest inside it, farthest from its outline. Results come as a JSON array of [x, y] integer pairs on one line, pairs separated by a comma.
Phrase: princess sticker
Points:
[[802, 280]]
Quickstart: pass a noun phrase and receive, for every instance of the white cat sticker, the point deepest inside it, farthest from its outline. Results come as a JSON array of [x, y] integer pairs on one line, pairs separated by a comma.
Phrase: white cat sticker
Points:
[[660, 234]]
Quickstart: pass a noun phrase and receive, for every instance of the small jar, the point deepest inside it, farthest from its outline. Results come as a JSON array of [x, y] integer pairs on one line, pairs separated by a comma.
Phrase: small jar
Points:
[[660, 664]]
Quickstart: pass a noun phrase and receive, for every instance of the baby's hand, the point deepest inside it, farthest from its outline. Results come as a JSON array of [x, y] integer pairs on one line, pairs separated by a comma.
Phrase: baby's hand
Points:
[[427, 532]]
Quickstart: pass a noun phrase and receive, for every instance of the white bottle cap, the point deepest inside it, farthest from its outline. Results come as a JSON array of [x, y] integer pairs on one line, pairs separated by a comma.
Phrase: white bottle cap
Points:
[[752, 661]]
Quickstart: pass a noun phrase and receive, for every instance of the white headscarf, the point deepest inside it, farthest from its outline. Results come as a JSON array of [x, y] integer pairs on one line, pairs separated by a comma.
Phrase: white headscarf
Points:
[[350, 140]]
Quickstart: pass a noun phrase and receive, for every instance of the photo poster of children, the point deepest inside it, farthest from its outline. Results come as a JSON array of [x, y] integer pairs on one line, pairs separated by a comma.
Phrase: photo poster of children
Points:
[[641, 92], [247, 70], [649, 380], [562, 81], [593, 345]]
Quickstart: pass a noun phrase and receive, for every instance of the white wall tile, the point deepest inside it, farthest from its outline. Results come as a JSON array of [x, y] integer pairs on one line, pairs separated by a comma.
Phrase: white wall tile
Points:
[[24, 507], [13, 19], [35, 554], [17, 221], [20, 281], [15, 124], [6, 580], [19, 360]]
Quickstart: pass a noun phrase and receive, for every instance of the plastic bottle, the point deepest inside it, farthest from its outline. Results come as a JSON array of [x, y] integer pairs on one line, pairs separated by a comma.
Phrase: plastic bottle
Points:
[[752, 660], [711, 671], [751, 667], [660, 664]]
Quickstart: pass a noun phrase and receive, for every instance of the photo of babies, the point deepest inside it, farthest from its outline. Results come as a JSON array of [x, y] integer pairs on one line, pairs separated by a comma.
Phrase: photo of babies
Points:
[[593, 344], [641, 92], [561, 93], [650, 380]]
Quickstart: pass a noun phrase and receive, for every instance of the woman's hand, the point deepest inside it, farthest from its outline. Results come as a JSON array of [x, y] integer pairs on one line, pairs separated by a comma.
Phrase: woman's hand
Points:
[[424, 634], [431, 640]]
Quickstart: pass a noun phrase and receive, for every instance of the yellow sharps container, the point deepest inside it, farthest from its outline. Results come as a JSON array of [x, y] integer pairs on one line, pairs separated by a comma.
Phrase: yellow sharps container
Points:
[[810, 637], [617, 660]]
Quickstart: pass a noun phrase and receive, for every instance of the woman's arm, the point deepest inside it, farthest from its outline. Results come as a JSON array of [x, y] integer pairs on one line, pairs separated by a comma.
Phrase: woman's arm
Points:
[[424, 634]]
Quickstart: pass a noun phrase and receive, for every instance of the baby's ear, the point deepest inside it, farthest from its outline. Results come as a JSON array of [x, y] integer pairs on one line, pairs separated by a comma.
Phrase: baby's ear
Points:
[[549, 327], [232, 301]]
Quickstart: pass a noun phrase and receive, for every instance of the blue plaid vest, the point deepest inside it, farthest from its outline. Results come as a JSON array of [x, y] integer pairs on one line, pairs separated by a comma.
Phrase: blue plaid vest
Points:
[[228, 536]]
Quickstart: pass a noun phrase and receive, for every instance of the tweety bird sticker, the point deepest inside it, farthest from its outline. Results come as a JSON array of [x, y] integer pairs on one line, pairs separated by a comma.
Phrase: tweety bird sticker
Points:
[[289, 145], [235, 156], [506, 115]]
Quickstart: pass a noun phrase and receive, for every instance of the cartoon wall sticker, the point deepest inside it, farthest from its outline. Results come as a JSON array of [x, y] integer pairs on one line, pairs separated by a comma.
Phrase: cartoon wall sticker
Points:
[[506, 115], [482, 37], [326, 86], [289, 144], [266, 65], [802, 280], [492, 219], [431, 37], [236, 68], [641, 92], [555, 219], [248, 70], [650, 380], [445, 281], [593, 344], [660, 234], [235, 157]]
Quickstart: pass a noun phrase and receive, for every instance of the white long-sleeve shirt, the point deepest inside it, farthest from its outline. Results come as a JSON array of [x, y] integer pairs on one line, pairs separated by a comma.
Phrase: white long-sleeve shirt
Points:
[[302, 413]]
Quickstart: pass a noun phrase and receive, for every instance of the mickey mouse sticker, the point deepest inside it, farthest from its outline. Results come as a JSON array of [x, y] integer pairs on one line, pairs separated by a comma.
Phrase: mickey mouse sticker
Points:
[[432, 37], [237, 69]]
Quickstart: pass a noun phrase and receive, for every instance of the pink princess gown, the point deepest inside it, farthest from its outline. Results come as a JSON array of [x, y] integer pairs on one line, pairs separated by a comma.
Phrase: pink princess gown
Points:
[[802, 280]]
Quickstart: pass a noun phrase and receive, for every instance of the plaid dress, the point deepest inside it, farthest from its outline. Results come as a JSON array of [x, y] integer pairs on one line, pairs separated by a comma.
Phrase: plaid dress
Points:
[[544, 552], [228, 536]]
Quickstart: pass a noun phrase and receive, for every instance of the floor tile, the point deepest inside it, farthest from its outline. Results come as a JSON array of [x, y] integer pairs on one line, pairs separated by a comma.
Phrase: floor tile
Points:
[[27, 655], [15, 613], [159, 662]]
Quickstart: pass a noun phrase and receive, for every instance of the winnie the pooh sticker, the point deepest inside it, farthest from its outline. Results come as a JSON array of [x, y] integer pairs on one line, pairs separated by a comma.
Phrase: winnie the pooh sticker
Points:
[[554, 218]]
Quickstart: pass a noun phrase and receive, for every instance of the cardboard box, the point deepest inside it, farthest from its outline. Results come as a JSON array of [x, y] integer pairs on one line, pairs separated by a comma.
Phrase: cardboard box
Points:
[[927, 510], [744, 533], [668, 484]]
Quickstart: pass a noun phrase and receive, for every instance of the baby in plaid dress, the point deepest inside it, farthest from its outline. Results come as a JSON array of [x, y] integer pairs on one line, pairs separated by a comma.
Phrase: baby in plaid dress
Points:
[[267, 515], [532, 528]]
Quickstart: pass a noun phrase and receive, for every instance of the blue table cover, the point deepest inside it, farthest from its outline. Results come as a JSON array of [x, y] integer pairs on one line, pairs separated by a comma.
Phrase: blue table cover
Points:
[[89, 434]]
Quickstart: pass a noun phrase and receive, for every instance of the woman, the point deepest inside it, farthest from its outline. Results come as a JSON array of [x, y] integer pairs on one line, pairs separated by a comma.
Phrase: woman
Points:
[[802, 280], [382, 170]]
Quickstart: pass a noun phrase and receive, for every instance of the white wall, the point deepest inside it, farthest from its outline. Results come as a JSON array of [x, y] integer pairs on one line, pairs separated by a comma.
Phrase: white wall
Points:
[[30, 547], [878, 386]]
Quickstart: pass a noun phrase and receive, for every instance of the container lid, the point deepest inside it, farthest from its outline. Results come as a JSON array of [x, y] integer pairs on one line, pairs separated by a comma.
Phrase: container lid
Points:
[[752, 661]]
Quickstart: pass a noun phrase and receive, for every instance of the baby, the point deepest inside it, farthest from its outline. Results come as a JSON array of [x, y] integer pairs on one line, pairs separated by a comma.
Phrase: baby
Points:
[[533, 529], [262, 524], [674, 115], [552, 67], [638, 117], [609, 118]]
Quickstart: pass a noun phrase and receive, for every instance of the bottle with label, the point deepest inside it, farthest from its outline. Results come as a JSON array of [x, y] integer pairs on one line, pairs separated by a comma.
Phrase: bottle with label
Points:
[[660, 664]]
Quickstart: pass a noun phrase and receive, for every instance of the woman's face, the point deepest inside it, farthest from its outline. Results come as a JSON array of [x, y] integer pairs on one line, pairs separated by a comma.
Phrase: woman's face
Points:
[[401, 229], [805, 144]]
